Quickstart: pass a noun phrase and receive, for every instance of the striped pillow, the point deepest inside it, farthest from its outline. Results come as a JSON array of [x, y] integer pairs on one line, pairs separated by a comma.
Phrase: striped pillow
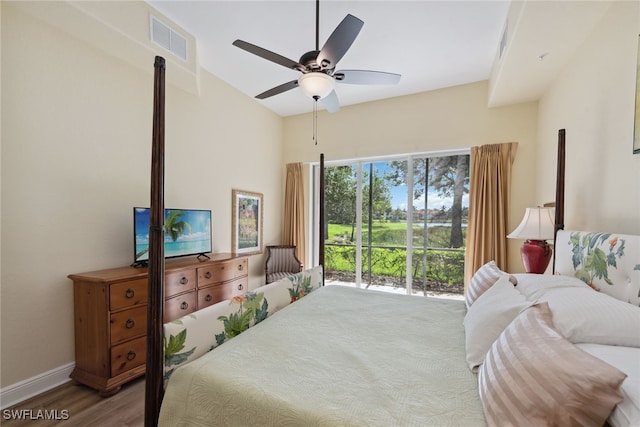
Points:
[[532, 376], [482, 280]]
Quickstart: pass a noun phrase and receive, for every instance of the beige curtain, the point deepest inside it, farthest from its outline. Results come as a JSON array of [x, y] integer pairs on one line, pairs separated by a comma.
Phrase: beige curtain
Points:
[[489, 196], [294, 228]]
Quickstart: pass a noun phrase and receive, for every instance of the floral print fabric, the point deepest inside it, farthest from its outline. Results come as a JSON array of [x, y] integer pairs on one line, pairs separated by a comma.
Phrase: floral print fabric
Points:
[[191, 336], [608, 262]]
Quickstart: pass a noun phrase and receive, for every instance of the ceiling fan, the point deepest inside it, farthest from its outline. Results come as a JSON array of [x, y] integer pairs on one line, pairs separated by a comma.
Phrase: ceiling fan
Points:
[[318, 66]]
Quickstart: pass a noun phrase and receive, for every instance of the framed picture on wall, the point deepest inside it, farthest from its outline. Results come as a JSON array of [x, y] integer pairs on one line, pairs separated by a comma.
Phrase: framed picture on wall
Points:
[[247, 222], [636, 129]]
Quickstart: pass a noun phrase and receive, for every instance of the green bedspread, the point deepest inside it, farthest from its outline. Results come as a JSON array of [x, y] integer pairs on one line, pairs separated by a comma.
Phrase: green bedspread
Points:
[[338, 357]]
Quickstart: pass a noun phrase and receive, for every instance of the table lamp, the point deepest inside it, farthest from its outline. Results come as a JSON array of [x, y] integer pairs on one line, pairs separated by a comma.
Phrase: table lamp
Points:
[[536, 227]]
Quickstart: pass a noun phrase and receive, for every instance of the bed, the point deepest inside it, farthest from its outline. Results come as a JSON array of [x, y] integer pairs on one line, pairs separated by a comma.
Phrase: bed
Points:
[[347, 356], [554, 349], [339, 356]]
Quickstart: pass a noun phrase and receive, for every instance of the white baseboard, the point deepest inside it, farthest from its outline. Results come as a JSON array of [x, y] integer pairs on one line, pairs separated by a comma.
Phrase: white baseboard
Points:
[[33, 386]]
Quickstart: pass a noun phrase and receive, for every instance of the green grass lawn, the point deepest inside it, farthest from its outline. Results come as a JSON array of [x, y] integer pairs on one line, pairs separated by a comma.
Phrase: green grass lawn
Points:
[[391, 234]]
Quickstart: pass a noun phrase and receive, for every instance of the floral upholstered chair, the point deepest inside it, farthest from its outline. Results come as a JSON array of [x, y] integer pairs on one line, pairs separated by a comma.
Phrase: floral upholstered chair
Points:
[[281, 262]]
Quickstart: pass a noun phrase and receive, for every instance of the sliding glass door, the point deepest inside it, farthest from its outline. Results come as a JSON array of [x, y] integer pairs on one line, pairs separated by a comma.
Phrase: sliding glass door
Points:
[[373, 208]]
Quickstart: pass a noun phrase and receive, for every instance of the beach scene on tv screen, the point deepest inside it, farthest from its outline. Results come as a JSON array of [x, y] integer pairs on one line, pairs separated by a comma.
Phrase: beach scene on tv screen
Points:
[[187, 232]]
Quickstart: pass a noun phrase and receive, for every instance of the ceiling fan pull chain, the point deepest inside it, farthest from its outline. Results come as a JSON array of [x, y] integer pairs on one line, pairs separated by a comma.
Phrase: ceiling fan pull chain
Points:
[[315, 121]]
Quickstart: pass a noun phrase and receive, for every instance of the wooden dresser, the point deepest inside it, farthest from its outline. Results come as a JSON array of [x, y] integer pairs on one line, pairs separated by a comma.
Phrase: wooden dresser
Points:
[[110, 312]]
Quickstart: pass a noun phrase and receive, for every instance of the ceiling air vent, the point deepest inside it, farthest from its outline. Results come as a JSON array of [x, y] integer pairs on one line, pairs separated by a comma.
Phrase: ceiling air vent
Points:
[[168, 38]]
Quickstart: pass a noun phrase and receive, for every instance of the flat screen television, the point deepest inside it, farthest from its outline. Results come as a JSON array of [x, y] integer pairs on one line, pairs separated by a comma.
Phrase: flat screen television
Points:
[[187, 232]]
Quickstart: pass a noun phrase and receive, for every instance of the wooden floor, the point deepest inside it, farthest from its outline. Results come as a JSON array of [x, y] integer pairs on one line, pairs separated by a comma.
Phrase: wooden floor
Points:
[[80, 406]]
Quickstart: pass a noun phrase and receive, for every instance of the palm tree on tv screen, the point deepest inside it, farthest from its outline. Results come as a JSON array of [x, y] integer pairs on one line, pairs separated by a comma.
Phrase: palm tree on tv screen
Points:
[[174, 224]]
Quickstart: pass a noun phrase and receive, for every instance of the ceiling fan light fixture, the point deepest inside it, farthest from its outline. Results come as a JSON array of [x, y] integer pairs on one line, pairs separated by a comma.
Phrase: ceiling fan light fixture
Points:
[[319, 79], [316, 85]]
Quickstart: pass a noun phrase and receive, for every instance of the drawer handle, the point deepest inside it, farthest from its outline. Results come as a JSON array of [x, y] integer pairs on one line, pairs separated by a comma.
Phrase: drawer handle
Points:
[[131, 355], [208, 298], [207, 275], [240, 267], [130, 323], [184, 280], [240, 287], [129, 293], [184, 305]]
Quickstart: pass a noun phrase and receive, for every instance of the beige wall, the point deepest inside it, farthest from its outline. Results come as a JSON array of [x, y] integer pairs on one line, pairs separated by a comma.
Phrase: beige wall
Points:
[[76, 150], [446, 119], [593, 99]]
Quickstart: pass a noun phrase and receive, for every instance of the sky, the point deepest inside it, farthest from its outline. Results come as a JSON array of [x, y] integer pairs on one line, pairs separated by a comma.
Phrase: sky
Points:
[[399, 194]]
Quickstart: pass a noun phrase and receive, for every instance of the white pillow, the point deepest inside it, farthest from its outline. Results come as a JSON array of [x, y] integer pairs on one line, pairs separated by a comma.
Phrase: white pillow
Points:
[[489, 315], [534, 285], [583, 315], [627, 359], [482, 280]]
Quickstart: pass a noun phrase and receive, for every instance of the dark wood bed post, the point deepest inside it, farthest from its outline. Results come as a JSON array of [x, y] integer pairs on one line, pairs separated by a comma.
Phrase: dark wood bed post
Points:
[[154, 388], [559, 219], [321, 219]]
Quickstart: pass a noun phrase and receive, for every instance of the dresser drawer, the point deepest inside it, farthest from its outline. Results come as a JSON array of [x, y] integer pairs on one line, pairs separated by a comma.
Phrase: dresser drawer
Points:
[[222, 271], [128, 324], [216, 293], [179, 306], [128, 355], [128, 294], [239, 286], [179, 281]]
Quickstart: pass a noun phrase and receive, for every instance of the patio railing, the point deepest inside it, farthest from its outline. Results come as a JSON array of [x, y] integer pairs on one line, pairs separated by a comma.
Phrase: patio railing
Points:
[[444, 266]]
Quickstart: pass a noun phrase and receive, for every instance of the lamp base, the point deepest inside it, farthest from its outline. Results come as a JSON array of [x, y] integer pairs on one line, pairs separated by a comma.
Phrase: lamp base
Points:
[[536, 255]]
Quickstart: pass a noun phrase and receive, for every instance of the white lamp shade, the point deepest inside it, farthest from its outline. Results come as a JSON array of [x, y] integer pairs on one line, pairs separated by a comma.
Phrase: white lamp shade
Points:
[[316, 84], [538, 224]]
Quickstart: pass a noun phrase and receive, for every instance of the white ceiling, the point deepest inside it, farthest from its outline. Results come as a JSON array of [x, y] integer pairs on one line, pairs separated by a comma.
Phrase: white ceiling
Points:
[[432, 44]]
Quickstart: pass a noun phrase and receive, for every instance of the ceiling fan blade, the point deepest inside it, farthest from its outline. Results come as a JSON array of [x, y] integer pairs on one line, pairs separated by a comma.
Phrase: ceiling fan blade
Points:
[[330, 102], [278, 89], [366, 77], [339, 42], [268, 55]]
